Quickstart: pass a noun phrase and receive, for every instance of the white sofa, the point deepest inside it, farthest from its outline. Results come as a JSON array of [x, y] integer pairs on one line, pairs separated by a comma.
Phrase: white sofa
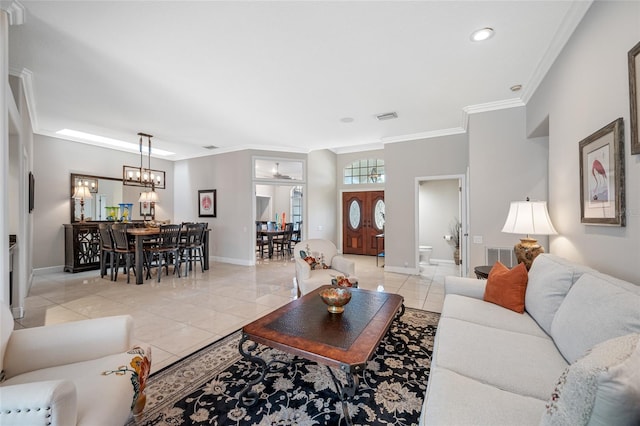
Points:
[[76, 373], [322, 250], [493, 366]]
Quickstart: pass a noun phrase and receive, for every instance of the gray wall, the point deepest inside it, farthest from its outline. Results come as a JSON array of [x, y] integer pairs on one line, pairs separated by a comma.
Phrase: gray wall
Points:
[[232, 238], [587, 88], [504, 166], [404, 162], [53, 162], [321, 205]]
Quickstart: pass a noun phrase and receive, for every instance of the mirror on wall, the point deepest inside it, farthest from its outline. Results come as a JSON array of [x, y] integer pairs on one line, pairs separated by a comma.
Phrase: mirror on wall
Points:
[[105, 192], [106, 195]]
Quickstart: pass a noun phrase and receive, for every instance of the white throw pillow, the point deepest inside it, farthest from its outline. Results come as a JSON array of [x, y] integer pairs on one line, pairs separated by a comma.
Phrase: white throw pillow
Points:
[[601, 388]]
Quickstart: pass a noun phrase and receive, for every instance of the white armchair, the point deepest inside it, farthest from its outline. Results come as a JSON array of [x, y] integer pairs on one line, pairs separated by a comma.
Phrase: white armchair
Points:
[[76, 373], [321, 250]]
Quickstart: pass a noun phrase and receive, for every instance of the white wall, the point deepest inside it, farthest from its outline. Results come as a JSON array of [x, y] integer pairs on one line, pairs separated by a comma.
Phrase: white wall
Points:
[[53, 162], [438, 206], [504, 166], [587, 88], [404, 162]]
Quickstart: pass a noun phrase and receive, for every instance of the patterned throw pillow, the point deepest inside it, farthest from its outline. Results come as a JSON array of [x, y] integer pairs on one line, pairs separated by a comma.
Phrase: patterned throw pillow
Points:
[[139, 367], [601, 388], [312, 261]]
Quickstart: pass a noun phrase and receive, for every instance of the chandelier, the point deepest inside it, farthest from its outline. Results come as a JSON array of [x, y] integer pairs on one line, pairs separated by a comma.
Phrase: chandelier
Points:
[[144, 176]]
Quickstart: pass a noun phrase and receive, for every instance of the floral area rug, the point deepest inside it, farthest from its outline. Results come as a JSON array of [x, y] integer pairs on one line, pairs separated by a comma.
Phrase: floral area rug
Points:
[[203, 388]]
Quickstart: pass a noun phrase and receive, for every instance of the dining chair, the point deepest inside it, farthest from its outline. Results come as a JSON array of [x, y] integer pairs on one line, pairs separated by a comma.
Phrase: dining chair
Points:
[[192, 245], [124, 249], [166, 250], [282, 243], [296, 235], [261, 240], [107, 249]]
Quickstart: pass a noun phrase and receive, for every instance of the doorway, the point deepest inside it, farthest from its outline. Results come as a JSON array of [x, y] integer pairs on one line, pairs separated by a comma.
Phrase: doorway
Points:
[[441, 219], [362, 219]]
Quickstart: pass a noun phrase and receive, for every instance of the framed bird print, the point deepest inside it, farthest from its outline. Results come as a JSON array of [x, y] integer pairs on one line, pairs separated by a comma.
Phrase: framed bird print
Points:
[[602, 194]]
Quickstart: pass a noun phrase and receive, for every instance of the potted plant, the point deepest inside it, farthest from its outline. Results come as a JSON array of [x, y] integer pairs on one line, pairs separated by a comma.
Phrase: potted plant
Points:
[[455, 229]]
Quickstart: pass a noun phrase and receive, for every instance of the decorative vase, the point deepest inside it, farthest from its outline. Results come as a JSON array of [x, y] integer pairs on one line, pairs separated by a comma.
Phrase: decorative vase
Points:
[[456, 256], [125, 211]]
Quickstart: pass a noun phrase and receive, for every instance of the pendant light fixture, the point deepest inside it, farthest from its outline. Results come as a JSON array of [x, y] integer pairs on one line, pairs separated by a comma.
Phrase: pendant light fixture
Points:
[[144, 176]]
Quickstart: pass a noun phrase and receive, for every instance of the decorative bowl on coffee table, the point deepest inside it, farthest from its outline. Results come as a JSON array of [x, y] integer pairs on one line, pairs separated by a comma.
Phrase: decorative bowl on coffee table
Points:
[[336, 298]]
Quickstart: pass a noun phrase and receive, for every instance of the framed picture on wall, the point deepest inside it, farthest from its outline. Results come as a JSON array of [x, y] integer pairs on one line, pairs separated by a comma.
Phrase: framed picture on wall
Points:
[[602, 196], [634, 97], [147, 208], [207, 203], [32, 190]]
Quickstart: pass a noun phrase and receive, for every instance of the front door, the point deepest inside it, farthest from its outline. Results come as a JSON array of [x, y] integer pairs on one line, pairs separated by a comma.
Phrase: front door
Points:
[[362, 220]]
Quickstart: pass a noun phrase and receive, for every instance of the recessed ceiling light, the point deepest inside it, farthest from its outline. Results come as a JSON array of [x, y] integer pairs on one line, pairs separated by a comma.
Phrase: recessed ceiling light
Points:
[[482, 34], [516, 87], [347, 120]]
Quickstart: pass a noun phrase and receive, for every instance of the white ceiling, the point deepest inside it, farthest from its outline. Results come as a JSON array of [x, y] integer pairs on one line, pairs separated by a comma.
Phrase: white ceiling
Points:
[[280, 75]]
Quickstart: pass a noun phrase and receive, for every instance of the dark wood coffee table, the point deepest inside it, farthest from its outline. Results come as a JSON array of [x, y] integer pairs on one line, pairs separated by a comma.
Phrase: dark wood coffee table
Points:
[[305, 328]]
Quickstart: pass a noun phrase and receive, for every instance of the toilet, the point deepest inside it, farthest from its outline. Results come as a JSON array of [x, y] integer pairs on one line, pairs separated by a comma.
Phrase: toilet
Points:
[[425, 254]]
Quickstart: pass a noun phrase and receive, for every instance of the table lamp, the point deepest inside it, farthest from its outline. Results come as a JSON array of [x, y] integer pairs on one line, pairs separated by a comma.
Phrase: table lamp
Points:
[[528, 217], [81, 193]]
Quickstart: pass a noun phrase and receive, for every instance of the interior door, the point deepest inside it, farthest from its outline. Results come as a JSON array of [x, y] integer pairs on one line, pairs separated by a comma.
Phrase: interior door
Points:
[[362, 220]]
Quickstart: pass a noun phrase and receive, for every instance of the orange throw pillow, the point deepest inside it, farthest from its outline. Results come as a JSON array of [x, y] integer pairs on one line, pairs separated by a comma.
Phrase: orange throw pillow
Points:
[[506, 287]]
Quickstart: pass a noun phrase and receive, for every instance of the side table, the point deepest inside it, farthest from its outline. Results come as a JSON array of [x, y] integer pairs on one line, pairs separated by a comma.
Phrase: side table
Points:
[[482, 272]]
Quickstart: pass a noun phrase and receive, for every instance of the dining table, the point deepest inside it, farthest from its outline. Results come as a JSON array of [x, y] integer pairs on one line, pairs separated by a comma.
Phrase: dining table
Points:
[[270, 234], [145, 234]]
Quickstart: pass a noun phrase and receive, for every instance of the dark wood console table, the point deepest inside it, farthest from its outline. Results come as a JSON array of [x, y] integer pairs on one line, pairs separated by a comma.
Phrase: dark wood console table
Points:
[[81, 247]]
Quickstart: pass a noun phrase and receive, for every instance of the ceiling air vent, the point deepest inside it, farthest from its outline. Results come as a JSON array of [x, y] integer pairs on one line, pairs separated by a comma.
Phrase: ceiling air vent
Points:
[[210, 147], [387, 116]]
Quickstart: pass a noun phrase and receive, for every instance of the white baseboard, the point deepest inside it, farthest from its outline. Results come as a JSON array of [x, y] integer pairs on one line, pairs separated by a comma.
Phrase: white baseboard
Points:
[[233, 261], [399, 270], [442, 262], [48, 270]]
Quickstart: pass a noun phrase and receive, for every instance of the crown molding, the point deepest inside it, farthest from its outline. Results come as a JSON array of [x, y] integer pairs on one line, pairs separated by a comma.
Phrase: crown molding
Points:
[[492, 106], [15, 11], [569, 24], [424, 135], [26, 77]]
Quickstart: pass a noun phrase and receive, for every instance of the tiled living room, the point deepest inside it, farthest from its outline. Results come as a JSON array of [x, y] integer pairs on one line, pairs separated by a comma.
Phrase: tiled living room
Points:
[[181, 315], [266, 109]]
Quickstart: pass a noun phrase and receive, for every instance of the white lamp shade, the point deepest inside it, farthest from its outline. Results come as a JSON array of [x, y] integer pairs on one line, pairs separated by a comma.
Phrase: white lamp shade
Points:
[[82, 192], [529, 217], [149, 196]]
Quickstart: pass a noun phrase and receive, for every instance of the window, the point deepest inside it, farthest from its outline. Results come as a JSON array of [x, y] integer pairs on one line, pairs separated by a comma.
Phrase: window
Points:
[[364, 171], [296, 204]]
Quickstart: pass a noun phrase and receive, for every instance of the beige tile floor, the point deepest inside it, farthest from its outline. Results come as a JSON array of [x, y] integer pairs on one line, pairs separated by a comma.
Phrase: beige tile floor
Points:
[[180, 315]]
